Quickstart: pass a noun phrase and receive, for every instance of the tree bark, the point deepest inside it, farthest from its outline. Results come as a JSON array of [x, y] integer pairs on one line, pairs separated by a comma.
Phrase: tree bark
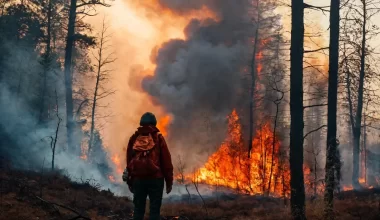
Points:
[[331, 150], [68, 77], [358, 117], [296, 112]]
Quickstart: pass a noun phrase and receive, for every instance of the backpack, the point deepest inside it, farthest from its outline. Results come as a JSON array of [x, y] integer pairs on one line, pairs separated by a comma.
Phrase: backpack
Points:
[[146, 156]]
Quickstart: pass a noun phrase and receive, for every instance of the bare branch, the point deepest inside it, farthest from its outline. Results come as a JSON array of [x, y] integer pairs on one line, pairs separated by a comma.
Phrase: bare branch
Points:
[[312, 131]]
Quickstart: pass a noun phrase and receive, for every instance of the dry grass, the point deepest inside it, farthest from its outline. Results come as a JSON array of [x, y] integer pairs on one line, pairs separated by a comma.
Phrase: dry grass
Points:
[[351, 205], [19, 191]]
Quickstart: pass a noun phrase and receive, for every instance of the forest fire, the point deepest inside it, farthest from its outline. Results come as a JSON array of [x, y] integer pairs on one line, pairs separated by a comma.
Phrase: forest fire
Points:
[[262, 173], [163, 123], [116, 160]]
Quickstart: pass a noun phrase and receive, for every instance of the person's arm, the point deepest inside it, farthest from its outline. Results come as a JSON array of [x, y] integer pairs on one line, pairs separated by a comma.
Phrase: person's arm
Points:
[[166, 162], [128, 160], [129, 150]]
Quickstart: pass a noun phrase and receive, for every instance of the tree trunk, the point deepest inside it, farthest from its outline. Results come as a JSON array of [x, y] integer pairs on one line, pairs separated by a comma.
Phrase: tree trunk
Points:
[[273, 148], [68, 77], [331, 150], [358, 117], [47, 63], [95, 95], [296, 112], [253, 83]]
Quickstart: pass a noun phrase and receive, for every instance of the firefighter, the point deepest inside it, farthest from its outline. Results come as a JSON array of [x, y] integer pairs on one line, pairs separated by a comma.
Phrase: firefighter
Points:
[[149, 165]]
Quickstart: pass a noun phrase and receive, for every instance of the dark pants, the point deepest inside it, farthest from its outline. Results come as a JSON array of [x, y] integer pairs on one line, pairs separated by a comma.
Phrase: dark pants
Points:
[[141, 189]]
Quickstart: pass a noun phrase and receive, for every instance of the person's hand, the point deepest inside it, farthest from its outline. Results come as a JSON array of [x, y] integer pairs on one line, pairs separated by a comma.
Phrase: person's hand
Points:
[[168, 189]]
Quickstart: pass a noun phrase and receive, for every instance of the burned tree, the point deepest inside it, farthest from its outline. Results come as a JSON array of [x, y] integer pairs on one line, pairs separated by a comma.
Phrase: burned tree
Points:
[[102, 76], [296, 111], [331, 151]]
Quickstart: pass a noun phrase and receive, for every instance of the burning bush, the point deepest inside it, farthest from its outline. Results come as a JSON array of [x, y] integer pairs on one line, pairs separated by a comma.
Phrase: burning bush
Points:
[[264, 171]]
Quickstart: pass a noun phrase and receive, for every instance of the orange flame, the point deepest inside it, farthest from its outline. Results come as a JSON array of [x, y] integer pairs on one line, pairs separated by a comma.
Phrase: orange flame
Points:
[[116, 160], [163, 123], [230, 166]]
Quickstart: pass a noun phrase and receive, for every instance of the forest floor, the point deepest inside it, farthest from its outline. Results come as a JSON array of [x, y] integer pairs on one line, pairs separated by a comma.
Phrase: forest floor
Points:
[[31, 195]]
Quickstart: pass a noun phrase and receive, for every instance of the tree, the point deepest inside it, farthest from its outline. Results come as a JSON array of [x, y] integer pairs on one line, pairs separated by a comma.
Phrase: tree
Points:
[[331, 150], [53, 144], [102, 75], [70, 40], [264, 58], [296, 111], [50, 13], [359, 69]]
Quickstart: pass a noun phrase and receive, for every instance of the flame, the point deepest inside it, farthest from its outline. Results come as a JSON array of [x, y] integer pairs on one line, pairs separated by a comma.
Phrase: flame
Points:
[[116, 160], [163, 123], [362, 180], [230, 166], [348, 188]]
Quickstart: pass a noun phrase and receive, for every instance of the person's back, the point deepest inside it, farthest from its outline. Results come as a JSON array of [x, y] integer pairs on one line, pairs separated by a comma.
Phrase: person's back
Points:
[[148, 166]]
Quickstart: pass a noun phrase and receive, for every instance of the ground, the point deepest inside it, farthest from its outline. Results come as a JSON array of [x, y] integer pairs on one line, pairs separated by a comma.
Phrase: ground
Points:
[[31, 195]]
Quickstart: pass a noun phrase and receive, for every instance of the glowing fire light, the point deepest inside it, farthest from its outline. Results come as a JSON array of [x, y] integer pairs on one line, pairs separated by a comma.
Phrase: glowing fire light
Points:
[[83, 157], [116, 160], [230, 166], [163, 123], [347, 188]]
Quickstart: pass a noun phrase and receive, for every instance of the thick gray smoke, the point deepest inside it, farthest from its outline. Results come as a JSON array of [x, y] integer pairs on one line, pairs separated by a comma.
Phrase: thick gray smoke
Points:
[[202, 76], [24, 142]]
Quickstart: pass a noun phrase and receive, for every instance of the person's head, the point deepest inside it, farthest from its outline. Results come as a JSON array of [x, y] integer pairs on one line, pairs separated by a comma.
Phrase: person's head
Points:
[[148, 119]]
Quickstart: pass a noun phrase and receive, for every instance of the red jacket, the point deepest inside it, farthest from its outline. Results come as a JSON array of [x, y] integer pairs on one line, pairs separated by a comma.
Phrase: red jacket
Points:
[[165, 160]]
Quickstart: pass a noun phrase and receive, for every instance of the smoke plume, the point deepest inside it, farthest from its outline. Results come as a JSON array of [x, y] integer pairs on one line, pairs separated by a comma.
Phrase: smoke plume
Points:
[[201, 76]]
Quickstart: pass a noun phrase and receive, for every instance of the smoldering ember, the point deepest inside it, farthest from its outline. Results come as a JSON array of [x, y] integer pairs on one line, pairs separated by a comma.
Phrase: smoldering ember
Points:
[[202, 109]]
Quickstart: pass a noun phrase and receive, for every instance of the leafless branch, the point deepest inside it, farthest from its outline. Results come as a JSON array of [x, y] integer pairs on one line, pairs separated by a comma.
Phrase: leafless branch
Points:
[[312, 131]]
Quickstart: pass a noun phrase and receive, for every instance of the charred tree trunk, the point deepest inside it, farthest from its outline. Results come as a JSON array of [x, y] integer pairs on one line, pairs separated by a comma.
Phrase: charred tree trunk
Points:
[[358, 117], [68, 76], [331, 150], [253, 83], [296, 112], [54, 141]]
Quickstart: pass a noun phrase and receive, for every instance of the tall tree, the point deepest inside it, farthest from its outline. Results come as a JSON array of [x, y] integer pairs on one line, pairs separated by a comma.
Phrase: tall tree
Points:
[[68, 75], [70, 40], [253, 78], [296, 111], [359, 110], [331, 151], [359, 68]]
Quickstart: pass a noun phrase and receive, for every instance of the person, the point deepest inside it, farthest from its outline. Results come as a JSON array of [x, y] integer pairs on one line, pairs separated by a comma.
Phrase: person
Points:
[[149, 165]]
